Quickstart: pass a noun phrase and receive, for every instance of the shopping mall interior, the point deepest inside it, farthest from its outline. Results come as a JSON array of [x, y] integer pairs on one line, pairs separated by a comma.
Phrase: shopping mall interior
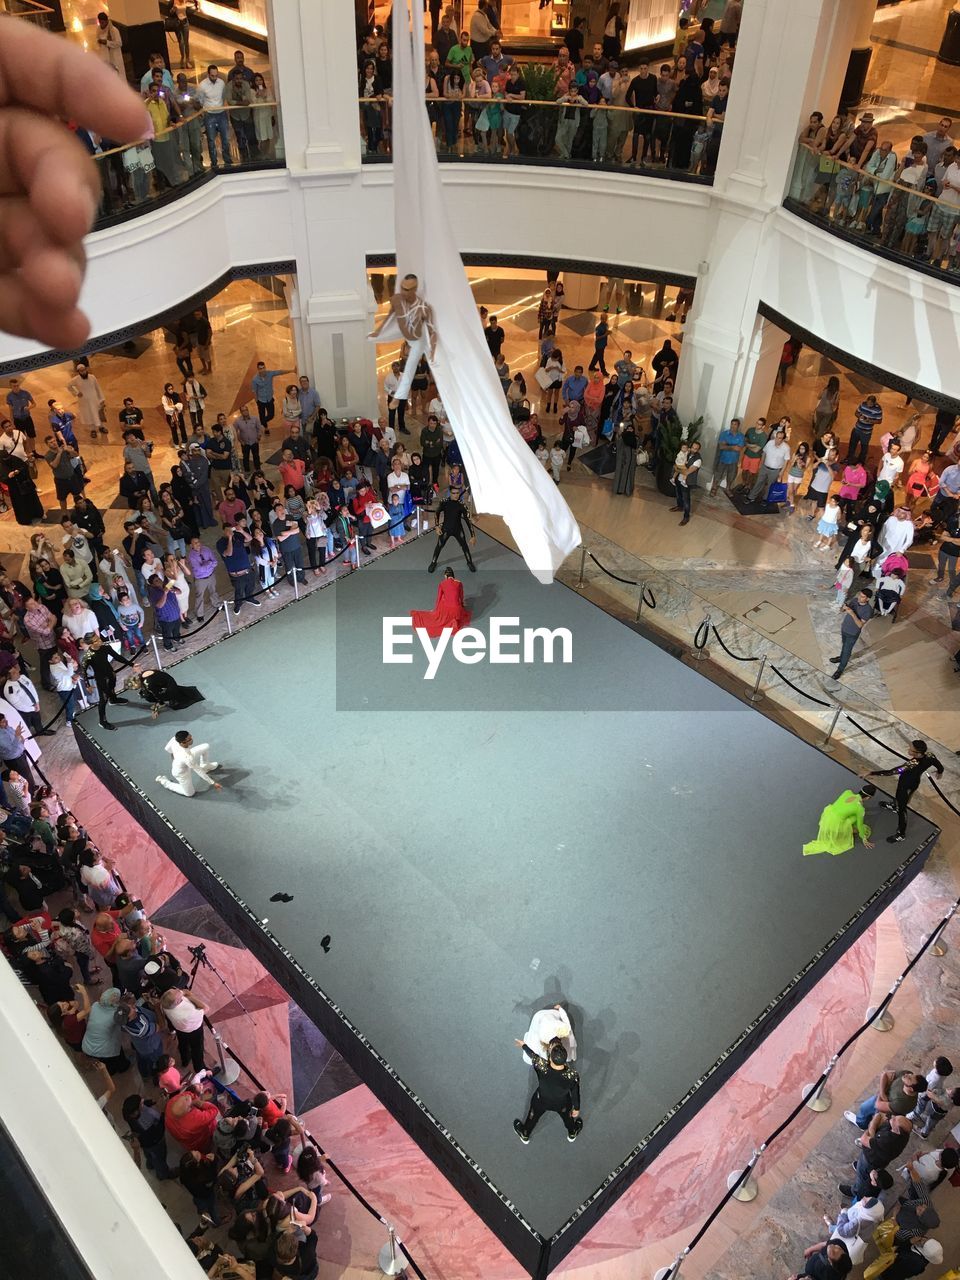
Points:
[[730, 260]]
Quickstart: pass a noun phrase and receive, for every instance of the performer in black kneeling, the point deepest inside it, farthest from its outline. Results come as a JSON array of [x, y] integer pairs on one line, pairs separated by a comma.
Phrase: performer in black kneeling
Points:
[[161, 691], [909, 777], [558, 1089], [451, 517], [97, 660]]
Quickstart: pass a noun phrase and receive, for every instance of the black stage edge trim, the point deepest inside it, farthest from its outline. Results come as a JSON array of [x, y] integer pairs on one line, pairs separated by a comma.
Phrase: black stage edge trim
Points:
[[116, 337], [886, 379], [541, 262], [537, 1254]]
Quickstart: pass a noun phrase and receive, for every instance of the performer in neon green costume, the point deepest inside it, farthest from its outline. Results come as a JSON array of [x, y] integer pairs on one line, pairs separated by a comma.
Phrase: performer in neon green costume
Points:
[[841, 822]]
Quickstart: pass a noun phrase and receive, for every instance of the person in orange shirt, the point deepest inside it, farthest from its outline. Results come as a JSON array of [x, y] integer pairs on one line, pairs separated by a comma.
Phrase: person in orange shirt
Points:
[[292, 471], [190, 1120]]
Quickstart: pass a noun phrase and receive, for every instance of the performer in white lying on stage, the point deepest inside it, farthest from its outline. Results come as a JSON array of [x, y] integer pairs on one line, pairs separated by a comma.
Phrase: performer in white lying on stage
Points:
[[410, 318], [547, 1025], [188, 758]]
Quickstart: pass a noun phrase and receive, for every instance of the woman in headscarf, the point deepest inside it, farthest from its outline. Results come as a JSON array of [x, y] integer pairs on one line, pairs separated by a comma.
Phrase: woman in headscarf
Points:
[[625, 470], [15, 474], [841, 822], [102, 1038]]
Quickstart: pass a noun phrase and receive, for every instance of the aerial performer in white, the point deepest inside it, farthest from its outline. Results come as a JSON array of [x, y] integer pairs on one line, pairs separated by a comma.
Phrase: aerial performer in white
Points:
[[434, 313]]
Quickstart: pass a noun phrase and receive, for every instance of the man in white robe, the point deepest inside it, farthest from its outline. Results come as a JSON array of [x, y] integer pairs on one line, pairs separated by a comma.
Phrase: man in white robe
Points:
[[188, 758], [547, 1025]]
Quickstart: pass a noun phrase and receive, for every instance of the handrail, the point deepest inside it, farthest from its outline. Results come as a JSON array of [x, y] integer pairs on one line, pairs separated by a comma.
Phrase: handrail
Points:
[[181, 124], [884, 183], [501, 102], [29, 9]]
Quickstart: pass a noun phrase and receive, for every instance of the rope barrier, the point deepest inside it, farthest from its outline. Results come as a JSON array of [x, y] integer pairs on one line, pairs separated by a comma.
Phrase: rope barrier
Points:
[[736, 656], [703, 634], [949, 803], [803, 693], [822, 1079], [649, 599], [893, 751], [627, 582]]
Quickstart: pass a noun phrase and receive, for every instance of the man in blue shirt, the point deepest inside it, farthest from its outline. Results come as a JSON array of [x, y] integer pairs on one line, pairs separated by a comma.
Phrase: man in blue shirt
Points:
[[601, 335], [730, 443], [21, 402], [574, 386], [309, 404], [625, 369], [233, 551], [146, 80], [496, 61], [947, 502], [262, 383]]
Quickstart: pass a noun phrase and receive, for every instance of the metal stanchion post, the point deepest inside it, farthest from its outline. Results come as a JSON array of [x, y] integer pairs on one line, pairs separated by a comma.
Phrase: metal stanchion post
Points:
[[228, 1071], [391, 1264], [296, 584], [673, 1271], [356, 549], [755, 695], [815, 1095], [700, 651], [156, 652], [583, 565], [882, 1021], [744, 1181], [226, 613], [938, 947], [826, 744]]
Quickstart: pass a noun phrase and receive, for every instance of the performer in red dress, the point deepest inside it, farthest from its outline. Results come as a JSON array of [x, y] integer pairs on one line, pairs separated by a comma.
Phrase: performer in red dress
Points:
[[449, 611]]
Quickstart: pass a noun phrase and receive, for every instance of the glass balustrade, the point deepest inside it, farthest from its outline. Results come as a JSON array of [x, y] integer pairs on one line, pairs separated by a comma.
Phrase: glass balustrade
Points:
[[146, 175], [550, 132], [891, 207]]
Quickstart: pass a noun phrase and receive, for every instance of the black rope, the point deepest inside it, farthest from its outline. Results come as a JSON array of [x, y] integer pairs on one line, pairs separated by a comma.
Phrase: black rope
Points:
[[893, 751], [851, 1040], [626, 581], [949, 803], [803, 693], [735, 656], [703, 634], [648, 598]]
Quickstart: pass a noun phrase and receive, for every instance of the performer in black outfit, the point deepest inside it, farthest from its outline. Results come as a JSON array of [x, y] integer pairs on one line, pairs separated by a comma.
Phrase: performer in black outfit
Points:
[[558, 1089], [97, 660], [160, 690], [451, 517], [909, 776]]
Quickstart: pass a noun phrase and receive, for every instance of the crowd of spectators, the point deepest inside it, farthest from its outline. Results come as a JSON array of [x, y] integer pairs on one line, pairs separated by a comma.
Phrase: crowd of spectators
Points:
[[481, 100], [74, 927]]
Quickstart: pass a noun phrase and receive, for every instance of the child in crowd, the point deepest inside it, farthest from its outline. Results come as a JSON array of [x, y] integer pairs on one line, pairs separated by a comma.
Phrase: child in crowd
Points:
[[543, 453], [266, 559], [844, 582], [827, 525], [131, 622], [933, 1105], [396, 519], [168, 1077], [557, 458]]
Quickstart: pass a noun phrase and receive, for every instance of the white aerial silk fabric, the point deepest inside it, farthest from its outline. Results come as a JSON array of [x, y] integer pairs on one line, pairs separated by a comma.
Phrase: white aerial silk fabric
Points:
[[505, 477], [547, 1025]]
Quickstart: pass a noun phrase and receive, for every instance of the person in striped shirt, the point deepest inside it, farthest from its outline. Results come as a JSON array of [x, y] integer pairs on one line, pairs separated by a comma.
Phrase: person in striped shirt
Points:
[[869, 415]]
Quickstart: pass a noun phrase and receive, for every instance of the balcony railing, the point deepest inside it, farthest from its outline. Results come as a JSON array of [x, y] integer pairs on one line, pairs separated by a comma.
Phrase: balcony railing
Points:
[[146, 175], [547, 132], [29, 10], [889, 216]]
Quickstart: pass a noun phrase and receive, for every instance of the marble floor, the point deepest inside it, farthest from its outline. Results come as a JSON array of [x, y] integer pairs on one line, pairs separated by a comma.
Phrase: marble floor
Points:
[[907, 87], [736, 563]]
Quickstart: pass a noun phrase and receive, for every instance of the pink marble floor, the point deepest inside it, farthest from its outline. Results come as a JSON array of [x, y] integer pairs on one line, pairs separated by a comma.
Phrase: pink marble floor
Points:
[[445, 1236]]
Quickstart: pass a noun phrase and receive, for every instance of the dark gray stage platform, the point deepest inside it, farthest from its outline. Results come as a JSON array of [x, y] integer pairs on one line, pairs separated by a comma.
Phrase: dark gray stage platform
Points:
[[617, 834]]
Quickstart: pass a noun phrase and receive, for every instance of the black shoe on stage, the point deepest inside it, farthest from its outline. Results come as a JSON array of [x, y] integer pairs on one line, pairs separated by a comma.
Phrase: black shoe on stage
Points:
[[519, 1130], [123, 700], [105, 725], [895, 839], [887, 804], [472, 567], [431, 567]]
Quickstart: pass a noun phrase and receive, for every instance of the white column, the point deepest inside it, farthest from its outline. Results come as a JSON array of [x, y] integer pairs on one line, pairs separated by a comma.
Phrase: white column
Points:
[[313, 43], [760, 370], [723, 354]]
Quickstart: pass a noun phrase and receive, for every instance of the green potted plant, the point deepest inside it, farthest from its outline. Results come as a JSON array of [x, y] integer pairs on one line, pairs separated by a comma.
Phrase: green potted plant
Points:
[[537, 129], [673, 434]]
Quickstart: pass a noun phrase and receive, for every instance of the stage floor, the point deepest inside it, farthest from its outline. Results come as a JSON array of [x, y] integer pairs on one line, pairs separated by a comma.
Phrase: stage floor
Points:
[[617, 834]]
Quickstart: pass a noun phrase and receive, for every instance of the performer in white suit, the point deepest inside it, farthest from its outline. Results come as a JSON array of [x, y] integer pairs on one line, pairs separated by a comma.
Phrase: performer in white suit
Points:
[[548, 1025], [188, 758], [411, 318]]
